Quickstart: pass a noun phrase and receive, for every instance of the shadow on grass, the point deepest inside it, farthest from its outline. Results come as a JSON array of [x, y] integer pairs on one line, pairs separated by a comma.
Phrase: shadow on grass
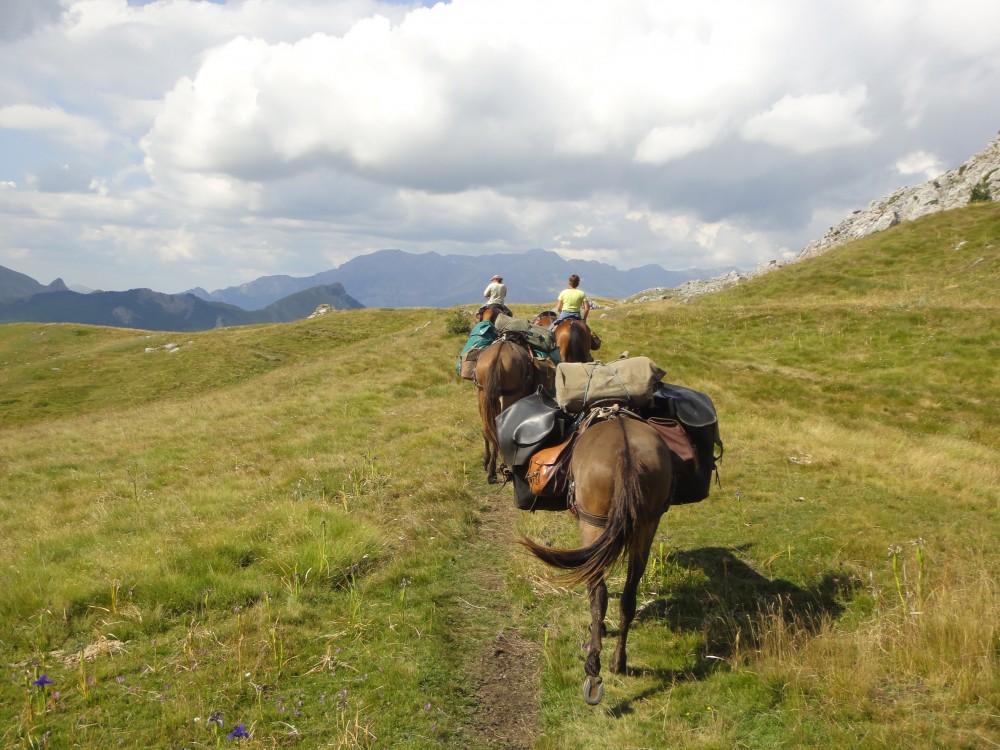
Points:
[[725, 600]]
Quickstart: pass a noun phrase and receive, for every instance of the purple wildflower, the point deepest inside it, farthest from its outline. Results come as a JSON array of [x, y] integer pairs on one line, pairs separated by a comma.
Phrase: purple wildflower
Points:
[[42, 681], [240, 730], [215, 718]]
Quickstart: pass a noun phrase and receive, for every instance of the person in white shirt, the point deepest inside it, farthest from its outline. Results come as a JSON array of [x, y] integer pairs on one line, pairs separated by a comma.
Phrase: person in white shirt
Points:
[[495, 294]]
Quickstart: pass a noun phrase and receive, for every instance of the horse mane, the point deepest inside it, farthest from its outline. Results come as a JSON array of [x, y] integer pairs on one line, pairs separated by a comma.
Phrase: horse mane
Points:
[[588, 564]]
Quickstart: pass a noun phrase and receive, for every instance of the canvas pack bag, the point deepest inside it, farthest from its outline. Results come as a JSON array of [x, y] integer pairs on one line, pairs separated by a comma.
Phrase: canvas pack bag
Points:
[[467, 363], [538, 337], [629, 381]]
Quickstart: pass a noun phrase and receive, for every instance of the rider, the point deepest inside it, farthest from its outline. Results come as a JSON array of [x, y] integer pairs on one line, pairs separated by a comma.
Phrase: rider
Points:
[[495, 294], [573, 303]]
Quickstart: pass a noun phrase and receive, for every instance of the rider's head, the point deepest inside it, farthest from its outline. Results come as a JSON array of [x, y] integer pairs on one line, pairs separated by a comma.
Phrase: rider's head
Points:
[[497, 277], [574, 281]]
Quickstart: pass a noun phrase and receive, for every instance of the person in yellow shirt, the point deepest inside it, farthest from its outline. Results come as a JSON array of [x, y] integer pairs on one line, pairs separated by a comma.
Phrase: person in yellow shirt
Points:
[[572, 303]]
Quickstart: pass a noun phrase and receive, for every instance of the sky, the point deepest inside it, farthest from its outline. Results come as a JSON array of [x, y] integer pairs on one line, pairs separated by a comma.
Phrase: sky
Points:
[[171, 144]]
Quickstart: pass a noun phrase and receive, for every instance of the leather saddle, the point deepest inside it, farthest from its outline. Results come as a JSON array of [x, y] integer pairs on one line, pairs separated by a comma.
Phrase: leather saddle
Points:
[[524, 426]]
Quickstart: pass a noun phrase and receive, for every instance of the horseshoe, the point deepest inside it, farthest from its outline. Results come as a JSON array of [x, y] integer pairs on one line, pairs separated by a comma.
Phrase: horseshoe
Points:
[[593, 691]]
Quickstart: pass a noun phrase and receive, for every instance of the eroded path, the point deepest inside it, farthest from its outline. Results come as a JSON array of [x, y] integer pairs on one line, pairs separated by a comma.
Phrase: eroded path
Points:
[[506, 666]]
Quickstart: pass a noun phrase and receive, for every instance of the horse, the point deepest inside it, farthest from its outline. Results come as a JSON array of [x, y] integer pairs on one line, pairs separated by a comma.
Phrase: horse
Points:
[[573, 336], [504, 374], [490, 313], [622, 472]]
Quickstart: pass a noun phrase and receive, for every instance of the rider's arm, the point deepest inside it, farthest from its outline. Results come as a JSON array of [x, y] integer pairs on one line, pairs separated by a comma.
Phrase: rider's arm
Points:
[[585, 308]]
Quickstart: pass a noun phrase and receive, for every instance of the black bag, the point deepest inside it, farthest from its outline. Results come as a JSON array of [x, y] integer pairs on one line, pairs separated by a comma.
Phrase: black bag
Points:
[[525, 499], [696, 413], [527, 425]]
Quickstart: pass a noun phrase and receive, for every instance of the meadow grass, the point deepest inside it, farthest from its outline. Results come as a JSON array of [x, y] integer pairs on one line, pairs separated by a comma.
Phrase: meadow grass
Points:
[[282, 527]]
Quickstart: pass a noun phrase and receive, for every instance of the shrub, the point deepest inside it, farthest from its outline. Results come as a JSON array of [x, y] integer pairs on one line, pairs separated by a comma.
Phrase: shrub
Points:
[[980, 192], [459, 322]]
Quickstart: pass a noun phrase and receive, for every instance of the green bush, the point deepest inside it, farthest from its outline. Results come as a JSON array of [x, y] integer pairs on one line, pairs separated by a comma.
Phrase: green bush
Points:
[[459, 322], [981, 192]]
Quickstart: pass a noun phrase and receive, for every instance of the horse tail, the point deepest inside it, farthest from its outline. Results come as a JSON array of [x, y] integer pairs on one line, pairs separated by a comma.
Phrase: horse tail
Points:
[[492, 386], [588, 564], [579, 341]]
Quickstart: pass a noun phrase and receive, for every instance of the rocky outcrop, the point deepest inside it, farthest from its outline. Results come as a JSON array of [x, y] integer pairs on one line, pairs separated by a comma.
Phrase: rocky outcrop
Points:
[[979, 176], [953, 189]]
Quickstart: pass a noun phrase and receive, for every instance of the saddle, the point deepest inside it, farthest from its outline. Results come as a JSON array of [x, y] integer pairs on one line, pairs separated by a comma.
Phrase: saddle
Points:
[[524, 426]]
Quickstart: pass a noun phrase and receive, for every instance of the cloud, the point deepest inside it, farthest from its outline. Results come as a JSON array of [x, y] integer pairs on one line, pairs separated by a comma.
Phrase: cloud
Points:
[[810, 123], [20, 18], [190, 141], [73, 131], [920, 163]]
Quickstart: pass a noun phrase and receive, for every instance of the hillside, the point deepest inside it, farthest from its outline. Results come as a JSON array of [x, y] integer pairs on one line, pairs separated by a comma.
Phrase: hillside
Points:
[[285, 527]]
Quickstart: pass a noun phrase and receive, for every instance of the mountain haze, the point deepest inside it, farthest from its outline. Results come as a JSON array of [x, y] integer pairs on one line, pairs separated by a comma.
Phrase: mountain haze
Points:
[[394, 278]]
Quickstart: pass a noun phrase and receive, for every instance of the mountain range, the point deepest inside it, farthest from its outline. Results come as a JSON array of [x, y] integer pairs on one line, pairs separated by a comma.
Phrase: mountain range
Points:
[[394, 278], [387, 278], [149, 310]]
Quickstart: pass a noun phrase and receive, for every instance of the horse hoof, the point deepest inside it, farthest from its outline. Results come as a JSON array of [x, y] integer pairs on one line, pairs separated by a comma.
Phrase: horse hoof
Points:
[[593, 691], [492, 480]]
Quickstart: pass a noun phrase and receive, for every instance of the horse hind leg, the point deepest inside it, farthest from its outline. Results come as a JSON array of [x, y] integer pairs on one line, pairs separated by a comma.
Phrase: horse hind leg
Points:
[[636, 567], [593, 689]]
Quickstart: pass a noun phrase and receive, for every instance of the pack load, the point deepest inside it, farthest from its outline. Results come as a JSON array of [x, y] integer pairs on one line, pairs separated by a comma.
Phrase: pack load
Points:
[[696, 414], [631, 381], [524, 429], [537, 433], [538, 337], [482, 335]]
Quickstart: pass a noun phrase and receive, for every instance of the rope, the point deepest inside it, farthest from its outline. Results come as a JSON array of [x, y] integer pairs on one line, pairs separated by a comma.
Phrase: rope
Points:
[[590, 377]]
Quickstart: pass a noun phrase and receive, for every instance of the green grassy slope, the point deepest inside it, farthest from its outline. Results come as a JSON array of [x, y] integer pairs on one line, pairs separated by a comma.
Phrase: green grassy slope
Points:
[[287, 525]]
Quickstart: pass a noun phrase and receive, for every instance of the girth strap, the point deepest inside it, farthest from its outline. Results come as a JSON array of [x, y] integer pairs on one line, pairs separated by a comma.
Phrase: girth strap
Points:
[[598, 521]]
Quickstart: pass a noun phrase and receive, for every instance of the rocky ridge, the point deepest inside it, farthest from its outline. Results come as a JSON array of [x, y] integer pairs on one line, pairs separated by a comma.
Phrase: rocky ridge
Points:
[[952, 189]]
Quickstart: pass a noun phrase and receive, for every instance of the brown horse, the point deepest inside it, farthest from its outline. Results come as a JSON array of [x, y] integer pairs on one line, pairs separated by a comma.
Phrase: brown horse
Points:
[[504, 374], [572, 336], [489, 312], [622, 473]]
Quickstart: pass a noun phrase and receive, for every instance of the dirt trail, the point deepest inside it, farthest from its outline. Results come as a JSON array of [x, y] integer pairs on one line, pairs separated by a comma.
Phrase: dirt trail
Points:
[[506, 668]]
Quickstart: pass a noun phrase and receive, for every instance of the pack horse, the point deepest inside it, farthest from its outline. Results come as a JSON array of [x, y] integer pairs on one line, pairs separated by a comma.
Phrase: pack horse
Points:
[[504, 374], [623, 473]]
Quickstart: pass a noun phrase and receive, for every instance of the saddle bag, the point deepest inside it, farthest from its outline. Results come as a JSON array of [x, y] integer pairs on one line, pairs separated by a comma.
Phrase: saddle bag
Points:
[[685, 459], [548, 469], [527, 425], [628, 381], [696, 414], [467, 363], [545, 374]]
